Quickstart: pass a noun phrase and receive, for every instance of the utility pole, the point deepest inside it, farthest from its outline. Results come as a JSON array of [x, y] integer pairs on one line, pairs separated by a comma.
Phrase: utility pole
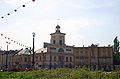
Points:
[[7, 52], [50, 58], [42, 59]]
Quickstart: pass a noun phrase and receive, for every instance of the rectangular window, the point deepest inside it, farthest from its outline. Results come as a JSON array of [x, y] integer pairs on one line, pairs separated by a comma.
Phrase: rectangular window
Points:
[[104, 52], [93, 61], [18, 59], [40, 58], [25, 59], [68, 49], [44, 58], [92, 53], [36, 58], [109, 53], [109, 60], [53, 41], [70, 59], [52, 48], [54, 58], [77, 57], [66, 59], [81, 52], [60, 42], [77, 52], [50, 58], [81, 61], [60, 58], [104, 61]]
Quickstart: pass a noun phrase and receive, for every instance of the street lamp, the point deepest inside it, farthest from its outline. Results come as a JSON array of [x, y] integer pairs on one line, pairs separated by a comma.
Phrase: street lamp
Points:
[[33, 56], [7, 55]]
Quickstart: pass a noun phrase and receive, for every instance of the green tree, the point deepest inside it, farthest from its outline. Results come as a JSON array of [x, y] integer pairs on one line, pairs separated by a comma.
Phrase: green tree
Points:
[[116, 45], [116, 54]]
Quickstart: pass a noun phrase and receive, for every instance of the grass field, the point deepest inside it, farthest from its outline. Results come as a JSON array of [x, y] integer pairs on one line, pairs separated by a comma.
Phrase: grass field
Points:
[[61, 74]]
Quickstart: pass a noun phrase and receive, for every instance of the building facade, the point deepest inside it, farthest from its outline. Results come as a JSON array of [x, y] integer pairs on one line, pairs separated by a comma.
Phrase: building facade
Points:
[[6, 59], [94, 57], [57, 54], [23, 59]]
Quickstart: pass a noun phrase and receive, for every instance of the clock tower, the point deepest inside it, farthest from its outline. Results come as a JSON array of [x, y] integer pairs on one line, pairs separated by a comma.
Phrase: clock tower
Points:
[[57, 38]]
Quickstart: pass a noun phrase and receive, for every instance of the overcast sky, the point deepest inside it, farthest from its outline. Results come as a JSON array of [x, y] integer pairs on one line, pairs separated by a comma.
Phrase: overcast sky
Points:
[[84, 21]]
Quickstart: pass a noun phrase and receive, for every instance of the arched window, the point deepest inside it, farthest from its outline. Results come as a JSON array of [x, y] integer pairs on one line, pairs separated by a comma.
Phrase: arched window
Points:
[[61, 50]]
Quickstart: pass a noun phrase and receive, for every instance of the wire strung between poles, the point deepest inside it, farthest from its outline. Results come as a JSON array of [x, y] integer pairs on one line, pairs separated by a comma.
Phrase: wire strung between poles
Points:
[[15, 42], [15, 10]]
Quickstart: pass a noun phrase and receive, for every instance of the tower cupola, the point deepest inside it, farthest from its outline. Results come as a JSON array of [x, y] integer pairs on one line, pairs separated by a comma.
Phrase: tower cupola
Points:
[[57, 29], [57, 38]]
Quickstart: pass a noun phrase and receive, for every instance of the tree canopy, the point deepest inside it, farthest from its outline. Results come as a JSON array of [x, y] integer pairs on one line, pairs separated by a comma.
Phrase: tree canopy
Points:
[[116, 54]]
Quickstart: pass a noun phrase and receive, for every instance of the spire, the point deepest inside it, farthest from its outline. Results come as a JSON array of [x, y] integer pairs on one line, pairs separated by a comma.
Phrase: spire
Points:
[[58, 21]]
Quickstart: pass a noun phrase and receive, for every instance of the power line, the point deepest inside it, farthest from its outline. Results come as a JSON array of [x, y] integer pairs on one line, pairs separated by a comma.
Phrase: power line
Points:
[[15, 42], [15, 10], [8, 14]]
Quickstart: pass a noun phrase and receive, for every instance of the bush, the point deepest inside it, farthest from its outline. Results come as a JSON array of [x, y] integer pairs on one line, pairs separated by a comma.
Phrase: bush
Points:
[[63, 73]]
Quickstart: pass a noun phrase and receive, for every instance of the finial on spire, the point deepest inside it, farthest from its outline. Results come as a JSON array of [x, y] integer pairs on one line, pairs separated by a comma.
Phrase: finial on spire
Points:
[[58, 21]]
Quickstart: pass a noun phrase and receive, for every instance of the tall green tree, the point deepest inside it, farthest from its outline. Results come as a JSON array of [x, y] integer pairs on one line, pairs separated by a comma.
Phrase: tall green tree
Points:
[[116, 54], [116, 45]]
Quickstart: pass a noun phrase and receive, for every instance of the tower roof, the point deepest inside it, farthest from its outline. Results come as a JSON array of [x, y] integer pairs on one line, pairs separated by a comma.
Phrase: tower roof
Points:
[[57, 29], [57, 26]]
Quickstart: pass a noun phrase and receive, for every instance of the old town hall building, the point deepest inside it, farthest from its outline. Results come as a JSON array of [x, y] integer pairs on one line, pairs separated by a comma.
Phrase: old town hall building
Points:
[[57, 54]]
